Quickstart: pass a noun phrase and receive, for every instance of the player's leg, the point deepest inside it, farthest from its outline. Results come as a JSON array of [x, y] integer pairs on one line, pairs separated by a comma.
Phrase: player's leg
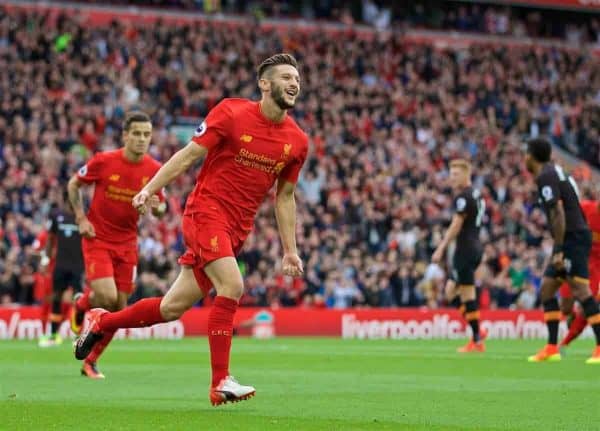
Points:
[[60, 283], [225, 276], [468, 295], [79, 305], [453, 297], [583, 294], [99, 272], [46, 303], [55, 315], [567, 302], [552, 316], [112, 270], [577, 252], [464, 273], [105, 296], [182, 295], [567, 309], [90, 364], [125, 270]]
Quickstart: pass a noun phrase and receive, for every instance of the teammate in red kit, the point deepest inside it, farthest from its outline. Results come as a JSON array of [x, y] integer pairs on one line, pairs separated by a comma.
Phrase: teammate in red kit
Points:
[[591, 210], [249, 146], [109, 230], [43, 282]]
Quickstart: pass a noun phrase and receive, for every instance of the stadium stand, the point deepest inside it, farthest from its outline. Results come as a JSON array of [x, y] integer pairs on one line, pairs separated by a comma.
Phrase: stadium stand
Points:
[[384, 115]]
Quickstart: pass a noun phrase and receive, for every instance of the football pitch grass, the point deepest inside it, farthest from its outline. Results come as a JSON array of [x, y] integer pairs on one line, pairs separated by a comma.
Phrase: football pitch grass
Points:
[[302, 384]]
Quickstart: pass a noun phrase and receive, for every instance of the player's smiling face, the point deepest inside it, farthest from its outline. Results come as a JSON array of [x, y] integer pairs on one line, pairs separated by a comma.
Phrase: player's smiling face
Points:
[[285, 85], [137, 138]]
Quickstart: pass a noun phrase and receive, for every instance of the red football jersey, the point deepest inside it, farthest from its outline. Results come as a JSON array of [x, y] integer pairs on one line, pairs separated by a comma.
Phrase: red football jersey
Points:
[[117, 181], [592, 215], [42, 285], [247, 153]]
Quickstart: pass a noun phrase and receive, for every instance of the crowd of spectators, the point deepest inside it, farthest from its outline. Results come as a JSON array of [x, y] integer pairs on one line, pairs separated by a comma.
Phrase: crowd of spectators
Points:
[[383, 115], [478, 17]]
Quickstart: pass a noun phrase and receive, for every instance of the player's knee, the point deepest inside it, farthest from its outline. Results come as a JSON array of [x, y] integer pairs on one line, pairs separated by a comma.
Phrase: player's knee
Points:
[[232, 289], [170, 310], [107, 300]]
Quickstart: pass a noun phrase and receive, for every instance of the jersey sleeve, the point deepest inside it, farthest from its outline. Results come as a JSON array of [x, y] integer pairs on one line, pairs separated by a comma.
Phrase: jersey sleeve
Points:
[[549, 190], [292, 170], [215, 127], [460, 204], [91, 171]]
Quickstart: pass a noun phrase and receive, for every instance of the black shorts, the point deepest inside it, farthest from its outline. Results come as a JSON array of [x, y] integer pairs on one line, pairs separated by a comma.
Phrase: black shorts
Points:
[[62, 278], [576, 251], [464, 264]]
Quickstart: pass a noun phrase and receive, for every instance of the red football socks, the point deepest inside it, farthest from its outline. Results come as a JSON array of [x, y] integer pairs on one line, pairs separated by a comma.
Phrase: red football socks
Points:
[[45, 313], [577, 326], [145, 312], [83, 303], [100, 346], [220, 331]]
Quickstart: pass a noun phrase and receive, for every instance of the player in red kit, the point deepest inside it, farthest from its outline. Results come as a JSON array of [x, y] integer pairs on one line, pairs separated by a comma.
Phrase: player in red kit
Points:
[[43, 282], [591, 210], [109, 230], [249, 146]]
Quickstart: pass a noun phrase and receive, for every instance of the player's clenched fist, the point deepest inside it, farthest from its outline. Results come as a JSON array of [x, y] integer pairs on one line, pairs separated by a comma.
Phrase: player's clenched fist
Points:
[[86, 228], [292, 265], [141, 201]]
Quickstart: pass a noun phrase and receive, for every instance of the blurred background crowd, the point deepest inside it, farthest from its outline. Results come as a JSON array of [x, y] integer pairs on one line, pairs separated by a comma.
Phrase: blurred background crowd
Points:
[[483, 17], [384, 116]]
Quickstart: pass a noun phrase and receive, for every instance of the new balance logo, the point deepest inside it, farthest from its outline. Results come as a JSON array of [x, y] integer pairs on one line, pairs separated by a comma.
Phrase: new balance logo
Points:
[[246, 138], [114, 177]]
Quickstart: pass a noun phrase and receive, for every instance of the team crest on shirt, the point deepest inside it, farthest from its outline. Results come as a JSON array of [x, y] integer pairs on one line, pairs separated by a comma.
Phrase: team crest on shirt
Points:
[[200, 130], [547, 193], [246, 138], [114, 177], [214, 244], [287, 148]]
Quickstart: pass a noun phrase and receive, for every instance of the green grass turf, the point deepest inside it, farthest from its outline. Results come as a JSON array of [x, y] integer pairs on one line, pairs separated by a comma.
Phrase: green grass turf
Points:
[[302, 384]]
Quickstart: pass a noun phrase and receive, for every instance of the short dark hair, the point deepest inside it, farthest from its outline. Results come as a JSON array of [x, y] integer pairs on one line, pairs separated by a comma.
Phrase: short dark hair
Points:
[[540, 149], [135, 117], [275, 60]]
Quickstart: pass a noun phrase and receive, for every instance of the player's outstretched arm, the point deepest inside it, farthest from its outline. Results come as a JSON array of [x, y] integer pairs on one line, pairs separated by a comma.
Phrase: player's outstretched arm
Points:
[[86, 228], [285, 213], [181, 161], [451, 233]]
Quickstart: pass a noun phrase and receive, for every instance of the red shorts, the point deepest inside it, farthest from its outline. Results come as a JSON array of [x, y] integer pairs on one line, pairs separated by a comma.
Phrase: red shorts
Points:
[[205, 242], [106, 260], [594, 268]]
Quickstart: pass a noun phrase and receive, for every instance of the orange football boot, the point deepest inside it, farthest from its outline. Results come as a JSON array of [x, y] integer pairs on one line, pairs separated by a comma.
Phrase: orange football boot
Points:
[[549, 353]]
